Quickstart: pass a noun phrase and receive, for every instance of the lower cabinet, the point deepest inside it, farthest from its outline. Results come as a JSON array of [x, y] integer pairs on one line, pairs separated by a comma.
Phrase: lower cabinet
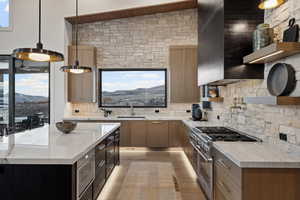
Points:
[[174, 133], [145, 133], [157, 134], [138, 132], [88, 194], [234, 183], [107, 157]]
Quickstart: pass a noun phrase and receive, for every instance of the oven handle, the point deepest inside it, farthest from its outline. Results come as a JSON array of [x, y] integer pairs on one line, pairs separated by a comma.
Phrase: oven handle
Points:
[[208, 160]]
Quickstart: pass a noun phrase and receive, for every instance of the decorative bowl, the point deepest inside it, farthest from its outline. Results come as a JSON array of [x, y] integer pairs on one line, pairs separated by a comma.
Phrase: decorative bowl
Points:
[[66, 127]]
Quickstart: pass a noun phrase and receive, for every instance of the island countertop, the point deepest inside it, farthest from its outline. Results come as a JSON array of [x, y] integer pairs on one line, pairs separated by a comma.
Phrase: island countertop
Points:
[[47, 145]]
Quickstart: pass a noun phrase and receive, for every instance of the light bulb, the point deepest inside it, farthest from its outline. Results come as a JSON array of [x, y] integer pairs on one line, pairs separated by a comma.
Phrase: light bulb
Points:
[[39, 57], [76, 71], [269, 4]]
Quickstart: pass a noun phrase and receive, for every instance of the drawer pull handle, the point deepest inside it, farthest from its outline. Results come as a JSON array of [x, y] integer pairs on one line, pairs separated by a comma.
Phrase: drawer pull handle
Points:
[[225, 187], [156, 122], [102, 147], [222, 163]]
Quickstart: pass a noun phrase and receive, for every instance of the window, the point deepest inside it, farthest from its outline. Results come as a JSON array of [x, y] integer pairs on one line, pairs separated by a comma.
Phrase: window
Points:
[[139, 87], [5, 15], [24, 93]]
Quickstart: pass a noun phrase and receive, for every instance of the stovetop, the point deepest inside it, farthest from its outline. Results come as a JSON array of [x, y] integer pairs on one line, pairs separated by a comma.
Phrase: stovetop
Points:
[[225, 134]]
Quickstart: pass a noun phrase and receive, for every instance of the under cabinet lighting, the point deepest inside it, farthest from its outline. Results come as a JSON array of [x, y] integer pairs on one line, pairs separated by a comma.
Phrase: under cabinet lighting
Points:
[[268, 56]]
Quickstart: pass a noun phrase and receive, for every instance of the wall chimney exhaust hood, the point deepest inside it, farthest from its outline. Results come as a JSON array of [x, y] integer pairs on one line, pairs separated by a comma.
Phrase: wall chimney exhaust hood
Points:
[[225, 29]]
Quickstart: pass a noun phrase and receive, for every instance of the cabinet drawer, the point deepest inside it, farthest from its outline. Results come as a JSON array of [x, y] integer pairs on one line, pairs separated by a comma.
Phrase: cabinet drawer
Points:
[[227, 186], [100, 153], [88, 194], [219, 195], [99, 181], [223, 166]]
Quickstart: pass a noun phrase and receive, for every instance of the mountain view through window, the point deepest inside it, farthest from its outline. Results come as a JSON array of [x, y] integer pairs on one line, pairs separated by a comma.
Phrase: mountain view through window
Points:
[[141, 88]]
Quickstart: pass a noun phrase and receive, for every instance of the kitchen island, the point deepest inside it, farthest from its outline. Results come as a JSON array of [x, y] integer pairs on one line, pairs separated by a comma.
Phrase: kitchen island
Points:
[[44, 163]]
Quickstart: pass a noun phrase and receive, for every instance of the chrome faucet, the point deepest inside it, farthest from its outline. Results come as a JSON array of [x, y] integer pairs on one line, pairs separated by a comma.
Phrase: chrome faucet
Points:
[[131, 109]]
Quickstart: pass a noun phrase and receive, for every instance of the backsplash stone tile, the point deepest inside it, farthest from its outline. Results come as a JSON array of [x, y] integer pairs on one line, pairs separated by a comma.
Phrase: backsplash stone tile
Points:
[[139, 42]]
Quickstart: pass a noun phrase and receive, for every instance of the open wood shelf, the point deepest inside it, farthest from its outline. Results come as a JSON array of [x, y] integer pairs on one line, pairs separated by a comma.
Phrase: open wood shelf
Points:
[[272, 100], [273, 52], [133, 12], [213, 99]]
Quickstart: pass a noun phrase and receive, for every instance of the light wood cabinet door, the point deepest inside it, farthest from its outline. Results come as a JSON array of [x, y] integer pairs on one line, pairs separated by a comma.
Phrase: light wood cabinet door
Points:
[[158, 134], [138, 130], [81, 87], [174, 134], [125, 137], [183, 73]]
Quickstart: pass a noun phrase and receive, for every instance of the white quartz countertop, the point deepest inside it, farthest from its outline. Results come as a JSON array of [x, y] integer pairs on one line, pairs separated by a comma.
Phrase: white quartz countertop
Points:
[[264, 154], [47, 145], [115, 118], [261, 154]]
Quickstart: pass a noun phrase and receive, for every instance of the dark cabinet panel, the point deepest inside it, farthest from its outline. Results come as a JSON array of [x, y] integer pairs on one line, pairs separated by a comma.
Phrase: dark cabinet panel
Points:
[[36, 182], [88, 194]]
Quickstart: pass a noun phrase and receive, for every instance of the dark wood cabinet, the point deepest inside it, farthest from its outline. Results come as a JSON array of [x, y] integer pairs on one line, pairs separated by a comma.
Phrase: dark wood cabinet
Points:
[[36, 182], [88, 194], [107, 157]]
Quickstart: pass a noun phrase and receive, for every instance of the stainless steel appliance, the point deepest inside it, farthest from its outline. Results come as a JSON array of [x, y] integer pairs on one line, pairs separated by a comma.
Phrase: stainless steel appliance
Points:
[[85, 172], [202, 139]]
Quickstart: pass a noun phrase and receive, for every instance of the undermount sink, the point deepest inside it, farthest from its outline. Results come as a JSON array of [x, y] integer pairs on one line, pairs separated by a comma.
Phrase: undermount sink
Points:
[[133, 117]]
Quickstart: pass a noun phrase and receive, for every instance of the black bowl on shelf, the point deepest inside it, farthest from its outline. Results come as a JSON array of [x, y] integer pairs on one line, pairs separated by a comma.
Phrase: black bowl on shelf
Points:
[[66, 127]]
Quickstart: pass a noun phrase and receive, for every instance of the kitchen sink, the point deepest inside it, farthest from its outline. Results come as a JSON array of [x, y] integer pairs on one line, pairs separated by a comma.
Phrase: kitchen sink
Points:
[[131, 117]]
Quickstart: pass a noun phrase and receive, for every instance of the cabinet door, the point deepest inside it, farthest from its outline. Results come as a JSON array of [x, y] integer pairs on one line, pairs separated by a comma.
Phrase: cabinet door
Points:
[[81, 87], [174, 134], [88, 194], [138, 133], [183, 70], [125, 135], [157, 134]]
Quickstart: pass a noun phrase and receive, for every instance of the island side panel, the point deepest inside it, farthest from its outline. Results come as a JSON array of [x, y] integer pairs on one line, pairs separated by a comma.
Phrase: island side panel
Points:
[[36, 182]]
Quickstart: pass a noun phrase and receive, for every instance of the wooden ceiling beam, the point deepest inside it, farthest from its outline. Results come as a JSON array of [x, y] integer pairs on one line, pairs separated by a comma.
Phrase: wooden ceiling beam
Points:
[[133, 12]]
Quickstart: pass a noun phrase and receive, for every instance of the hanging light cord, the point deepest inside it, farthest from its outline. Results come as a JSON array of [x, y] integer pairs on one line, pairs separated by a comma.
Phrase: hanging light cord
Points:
[[39, 44], [76, 35]]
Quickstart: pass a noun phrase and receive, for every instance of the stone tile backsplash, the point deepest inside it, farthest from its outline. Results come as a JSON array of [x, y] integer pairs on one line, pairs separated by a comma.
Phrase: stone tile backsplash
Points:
[[138, 42]]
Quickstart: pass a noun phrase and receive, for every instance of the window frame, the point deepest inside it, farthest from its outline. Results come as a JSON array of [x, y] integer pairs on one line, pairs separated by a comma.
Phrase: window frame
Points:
[[12, 84], [10, 18], [100, 70]]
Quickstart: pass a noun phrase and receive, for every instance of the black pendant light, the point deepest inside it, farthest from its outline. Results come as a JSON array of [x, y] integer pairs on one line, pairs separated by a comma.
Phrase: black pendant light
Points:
[[76, 68], [38, 54]]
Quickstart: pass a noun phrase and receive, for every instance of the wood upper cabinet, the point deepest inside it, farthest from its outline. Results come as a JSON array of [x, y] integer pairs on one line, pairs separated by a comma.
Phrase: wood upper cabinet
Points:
[[82, 87], [138, 132], [157, 134], [183, 73]]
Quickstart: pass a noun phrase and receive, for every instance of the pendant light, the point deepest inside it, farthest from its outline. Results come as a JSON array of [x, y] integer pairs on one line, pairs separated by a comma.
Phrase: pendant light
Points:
[[76, 68], [38, 54], [269, 4]]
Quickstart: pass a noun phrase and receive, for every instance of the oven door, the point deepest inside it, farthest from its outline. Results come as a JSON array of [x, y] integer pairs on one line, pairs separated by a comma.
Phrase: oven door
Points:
[[205, 173]]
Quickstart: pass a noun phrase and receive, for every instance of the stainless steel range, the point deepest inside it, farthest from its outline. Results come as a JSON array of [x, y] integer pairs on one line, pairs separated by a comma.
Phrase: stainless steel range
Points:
[[202, 139]]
